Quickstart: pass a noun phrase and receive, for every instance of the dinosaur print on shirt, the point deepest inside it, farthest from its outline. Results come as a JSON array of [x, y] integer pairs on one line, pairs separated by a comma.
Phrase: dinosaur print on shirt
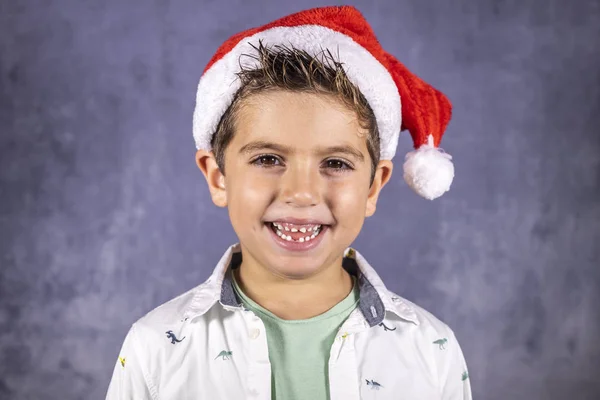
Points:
[[441, 343], [373, 384], [385, 328], [173, 338], [225, 354]]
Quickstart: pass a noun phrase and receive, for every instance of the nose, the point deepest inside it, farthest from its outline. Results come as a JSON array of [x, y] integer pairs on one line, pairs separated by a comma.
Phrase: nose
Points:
[[301, 186]]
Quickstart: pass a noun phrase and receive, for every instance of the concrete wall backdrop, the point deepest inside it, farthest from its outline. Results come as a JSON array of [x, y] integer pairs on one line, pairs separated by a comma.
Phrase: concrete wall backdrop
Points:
[[104, 215]]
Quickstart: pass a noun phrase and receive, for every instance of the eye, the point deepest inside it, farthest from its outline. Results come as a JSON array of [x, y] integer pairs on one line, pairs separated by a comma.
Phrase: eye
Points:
[[266, 160], [338, 165]]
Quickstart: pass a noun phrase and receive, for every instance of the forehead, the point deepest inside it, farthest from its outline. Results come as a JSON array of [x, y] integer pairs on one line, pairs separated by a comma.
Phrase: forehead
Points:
[[301, 120]]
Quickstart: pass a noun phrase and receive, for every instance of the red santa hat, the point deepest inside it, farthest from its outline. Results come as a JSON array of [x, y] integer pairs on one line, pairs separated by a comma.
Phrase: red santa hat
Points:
[[399, 99]]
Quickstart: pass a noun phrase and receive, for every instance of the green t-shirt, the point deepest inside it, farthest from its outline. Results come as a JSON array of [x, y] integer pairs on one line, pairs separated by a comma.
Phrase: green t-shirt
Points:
[[299, 349]]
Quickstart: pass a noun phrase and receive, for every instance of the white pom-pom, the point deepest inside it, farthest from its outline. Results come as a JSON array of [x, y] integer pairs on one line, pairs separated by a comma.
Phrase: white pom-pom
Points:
[[429, 171]]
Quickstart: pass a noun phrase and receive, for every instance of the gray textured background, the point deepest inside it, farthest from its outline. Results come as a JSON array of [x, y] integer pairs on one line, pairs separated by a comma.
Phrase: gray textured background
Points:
[[104, 215]]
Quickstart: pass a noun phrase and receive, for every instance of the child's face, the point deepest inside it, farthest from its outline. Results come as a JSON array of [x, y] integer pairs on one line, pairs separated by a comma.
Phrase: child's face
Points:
[[290, 169]]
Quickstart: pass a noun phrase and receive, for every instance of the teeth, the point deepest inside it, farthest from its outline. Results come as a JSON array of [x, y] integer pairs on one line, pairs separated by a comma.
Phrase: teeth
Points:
[[281, 229]]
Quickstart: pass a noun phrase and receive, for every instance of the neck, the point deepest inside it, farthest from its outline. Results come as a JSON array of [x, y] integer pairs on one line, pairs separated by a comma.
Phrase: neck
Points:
[[292, 298]]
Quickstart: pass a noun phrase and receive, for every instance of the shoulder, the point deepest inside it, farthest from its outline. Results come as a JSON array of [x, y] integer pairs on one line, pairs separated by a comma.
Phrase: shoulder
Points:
[[155, 341], [165, 330], [167, 316], [437, 342], [434, 339], [429, 326]]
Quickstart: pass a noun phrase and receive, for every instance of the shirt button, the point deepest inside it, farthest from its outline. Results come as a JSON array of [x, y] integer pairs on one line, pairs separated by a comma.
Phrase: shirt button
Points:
[[254, 333]]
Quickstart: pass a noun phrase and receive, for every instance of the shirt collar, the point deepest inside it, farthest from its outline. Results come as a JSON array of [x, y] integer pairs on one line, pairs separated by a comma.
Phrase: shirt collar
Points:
[[374, 300]]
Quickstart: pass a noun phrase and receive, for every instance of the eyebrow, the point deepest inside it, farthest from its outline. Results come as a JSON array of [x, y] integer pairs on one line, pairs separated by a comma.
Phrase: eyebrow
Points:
[[263, 145]]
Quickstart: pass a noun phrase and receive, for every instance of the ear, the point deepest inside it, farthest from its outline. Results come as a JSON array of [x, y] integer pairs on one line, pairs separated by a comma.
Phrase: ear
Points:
[[207, 163], [383, 173]]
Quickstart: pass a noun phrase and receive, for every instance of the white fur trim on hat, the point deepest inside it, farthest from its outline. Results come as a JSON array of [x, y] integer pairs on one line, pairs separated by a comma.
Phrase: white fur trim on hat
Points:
[[219, 83]]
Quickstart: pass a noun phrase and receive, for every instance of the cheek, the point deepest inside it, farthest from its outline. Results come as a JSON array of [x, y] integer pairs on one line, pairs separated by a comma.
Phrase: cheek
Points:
[[247, 194], [348, 202]]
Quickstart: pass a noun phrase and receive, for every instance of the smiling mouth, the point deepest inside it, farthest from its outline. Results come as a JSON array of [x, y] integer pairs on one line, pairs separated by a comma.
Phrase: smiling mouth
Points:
[[295, 233]]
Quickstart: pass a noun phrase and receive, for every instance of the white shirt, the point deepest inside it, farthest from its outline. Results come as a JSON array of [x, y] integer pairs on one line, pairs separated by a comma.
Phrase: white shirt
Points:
[[204, 344]]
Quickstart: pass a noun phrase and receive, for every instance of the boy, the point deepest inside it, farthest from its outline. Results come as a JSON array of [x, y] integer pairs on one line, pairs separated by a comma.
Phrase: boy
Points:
[[297, 144]]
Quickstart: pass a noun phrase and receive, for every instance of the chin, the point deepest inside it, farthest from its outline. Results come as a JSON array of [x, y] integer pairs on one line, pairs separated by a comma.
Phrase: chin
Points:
[[297, 269]]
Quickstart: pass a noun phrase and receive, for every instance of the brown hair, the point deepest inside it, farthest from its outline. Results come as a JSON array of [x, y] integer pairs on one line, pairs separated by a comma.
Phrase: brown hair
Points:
[[284, 68]]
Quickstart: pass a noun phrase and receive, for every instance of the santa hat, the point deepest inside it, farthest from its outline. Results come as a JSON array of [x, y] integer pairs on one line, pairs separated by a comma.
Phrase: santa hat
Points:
[[399, 99]]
